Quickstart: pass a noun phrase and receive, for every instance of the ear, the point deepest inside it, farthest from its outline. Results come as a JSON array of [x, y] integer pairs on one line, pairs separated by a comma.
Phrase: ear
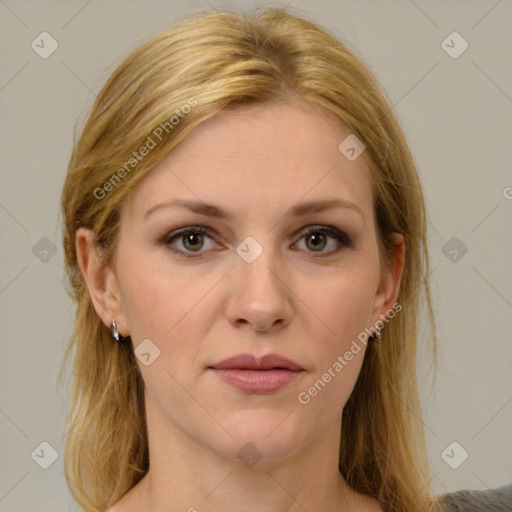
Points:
[[389, 285], [101, 280]]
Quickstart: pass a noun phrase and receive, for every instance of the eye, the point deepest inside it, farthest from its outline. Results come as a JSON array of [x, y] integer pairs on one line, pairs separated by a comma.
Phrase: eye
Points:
[[188, 241], [193, 239], [317, 238]]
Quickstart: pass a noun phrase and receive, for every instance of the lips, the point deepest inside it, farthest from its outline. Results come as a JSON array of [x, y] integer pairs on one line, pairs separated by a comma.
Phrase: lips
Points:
[[257, 376], [249, 362]]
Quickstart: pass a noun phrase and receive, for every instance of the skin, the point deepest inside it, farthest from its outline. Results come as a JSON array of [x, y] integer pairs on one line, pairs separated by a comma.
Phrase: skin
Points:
[[296, 299]]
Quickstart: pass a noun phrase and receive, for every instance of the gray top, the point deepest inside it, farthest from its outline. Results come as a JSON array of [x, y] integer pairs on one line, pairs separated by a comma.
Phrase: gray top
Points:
[[492, 500]]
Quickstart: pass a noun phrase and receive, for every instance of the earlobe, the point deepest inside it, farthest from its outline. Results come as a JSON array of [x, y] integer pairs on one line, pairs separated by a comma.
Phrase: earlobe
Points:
[[100, 280]]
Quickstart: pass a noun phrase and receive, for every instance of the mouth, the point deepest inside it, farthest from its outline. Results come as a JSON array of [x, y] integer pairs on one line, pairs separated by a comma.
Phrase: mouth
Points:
[[260, 376], [250, 362]]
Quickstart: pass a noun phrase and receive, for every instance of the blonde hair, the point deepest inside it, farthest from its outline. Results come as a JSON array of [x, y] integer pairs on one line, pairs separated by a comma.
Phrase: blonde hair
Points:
[[219, 60]]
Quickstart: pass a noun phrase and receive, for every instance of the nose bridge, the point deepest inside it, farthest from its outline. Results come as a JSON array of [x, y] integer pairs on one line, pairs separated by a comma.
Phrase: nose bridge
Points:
[[259, 295], [259, 264]]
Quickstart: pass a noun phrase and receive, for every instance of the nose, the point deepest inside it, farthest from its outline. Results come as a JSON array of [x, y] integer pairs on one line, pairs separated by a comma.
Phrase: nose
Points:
[[258, 294]]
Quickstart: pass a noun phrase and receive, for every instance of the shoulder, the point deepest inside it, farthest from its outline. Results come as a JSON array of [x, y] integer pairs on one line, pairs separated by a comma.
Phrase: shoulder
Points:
[[492, 500]]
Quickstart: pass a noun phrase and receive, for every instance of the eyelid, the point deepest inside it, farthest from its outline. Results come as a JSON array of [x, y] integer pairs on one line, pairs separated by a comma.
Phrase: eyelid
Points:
[[327, 229], [168, 238], [340, 236]]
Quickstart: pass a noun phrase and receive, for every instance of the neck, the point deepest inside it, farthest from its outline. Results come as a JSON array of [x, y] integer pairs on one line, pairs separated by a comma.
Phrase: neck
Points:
[[269, 490], [186, 475]]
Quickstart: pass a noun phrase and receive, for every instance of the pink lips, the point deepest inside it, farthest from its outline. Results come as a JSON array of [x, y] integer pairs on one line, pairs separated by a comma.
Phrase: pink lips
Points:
[[265, 375]]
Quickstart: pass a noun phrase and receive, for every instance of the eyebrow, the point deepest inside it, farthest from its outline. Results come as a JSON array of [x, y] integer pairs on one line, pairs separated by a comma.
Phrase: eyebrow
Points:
[[218, 212]]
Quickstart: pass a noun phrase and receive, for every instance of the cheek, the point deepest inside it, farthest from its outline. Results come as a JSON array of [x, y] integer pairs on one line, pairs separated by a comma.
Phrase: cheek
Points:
[[150, 291], [150, 302], [344, 303], [171, 306]]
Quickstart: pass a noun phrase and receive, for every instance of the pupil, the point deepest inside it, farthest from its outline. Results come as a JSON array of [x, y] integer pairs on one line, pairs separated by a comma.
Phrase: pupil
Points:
[[191, 240], [317, 239]]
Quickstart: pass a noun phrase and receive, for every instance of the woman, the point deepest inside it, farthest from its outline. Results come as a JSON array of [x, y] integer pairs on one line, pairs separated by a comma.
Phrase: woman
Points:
[[245, 237]]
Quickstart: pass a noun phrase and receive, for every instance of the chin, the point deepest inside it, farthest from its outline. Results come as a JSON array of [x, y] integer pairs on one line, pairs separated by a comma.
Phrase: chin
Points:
[[267, 435]]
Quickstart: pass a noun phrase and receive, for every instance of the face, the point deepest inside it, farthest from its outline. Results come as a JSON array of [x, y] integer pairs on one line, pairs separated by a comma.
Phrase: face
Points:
[[285, 261]]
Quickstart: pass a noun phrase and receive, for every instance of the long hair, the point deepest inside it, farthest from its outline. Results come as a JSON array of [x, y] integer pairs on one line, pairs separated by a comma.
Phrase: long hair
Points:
[[163, 90]]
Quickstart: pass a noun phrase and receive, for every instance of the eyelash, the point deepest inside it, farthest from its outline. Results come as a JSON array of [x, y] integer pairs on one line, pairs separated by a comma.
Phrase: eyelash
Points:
[[167, 239]]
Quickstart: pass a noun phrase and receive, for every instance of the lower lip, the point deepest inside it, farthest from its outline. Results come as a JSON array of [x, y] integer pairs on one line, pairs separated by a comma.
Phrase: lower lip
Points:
[[257, 381]]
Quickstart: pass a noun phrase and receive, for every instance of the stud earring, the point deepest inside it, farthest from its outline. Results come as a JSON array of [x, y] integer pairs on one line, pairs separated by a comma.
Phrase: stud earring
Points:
[[377, 335]]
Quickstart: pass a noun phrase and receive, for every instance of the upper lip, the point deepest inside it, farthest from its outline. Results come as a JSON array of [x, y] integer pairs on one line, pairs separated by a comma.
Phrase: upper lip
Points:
[[250, 362]]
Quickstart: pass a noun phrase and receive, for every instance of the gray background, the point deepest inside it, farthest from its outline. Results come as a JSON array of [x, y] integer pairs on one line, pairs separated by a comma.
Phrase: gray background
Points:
[[457, 115]]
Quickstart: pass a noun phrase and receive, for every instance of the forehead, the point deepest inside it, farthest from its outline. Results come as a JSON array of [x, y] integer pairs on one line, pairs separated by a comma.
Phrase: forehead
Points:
[[258, 158]]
